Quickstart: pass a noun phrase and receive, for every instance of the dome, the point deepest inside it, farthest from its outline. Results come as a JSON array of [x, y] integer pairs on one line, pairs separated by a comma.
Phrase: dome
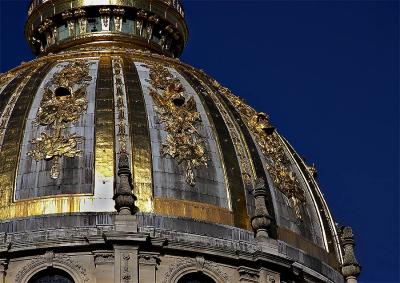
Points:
[[108, 125]]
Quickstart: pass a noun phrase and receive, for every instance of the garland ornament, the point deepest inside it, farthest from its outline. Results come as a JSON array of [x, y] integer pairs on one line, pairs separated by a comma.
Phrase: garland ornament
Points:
[[64, 100], [180, 117]]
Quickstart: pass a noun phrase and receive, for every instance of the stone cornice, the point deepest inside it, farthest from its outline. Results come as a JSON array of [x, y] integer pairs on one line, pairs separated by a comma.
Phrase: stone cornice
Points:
[[174, 242]]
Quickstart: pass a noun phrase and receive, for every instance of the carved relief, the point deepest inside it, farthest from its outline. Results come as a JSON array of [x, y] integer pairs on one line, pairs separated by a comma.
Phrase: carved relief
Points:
[[181, 120], [126, 277], [64, 101], [279, 166], [105, 257], [49, 259], [248, 275], [149, 259], [188, 265]]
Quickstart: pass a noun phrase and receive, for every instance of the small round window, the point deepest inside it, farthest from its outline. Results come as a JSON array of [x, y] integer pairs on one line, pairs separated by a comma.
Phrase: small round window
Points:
[[62, 92]]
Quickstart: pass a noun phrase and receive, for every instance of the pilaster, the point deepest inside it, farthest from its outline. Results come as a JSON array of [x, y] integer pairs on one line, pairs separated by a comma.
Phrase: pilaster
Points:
[[126, 264]]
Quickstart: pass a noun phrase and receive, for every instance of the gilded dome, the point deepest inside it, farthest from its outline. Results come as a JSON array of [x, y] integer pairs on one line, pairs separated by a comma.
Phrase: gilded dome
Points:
[[196, 150], [98, 111]]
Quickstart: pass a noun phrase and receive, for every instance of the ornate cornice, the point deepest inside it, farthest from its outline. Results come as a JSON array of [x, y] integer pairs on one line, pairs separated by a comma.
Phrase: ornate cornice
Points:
[[153, 25]]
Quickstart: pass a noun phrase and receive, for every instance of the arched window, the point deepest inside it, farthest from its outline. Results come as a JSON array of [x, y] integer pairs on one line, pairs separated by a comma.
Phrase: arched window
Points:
[[51, 275], [195, 278]]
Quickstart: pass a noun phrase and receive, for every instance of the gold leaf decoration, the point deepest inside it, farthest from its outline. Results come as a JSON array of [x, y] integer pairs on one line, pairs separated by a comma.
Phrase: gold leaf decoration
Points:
[[5, 78], [279, 166], [121, 108], [180, 117], [64, 100]]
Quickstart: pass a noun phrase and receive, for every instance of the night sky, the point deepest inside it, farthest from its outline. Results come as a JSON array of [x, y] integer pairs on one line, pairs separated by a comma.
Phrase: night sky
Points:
[[327, 73]]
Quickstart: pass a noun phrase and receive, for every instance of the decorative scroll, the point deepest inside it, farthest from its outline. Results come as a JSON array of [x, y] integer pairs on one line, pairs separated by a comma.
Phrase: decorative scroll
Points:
[[180, 118], [64, 101], [271, 145]]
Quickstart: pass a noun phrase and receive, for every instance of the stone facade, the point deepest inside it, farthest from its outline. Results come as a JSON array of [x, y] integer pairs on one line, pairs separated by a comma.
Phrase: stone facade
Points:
[[101, 253]]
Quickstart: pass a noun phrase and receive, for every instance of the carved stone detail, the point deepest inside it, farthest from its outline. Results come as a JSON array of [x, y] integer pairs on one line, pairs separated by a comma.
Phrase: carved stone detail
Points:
[[350, 267], [181, 120], [261, 219], [105, 257], [188, 265], [49, 259], [126, 277], [248, 275], [124, 198], [152, 259]]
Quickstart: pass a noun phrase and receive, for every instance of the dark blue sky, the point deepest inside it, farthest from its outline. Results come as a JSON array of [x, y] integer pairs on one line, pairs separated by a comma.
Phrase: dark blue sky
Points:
[[327, 72]]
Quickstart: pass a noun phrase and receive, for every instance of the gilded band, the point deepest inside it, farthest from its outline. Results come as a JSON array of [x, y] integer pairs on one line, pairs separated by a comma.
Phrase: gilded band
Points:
[[104, 120], [196, 210], [140, 138], [229, 157]]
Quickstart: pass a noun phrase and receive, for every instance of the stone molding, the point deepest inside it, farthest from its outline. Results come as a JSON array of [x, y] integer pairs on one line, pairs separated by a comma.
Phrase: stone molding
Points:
[[185, 266], [103, 257], [248, 275], [151, 259], [51, 260], [168, 240]]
